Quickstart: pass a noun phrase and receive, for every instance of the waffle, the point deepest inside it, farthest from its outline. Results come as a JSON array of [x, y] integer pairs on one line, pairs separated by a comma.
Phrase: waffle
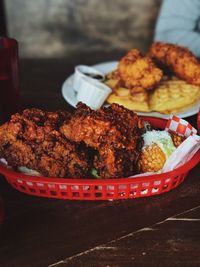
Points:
[[122, 95], [136, 102], [173, 95]]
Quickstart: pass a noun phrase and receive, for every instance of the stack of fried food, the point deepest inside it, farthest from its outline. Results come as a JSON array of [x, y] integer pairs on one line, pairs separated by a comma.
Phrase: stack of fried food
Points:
[[33, 140], [166, 79], [113, 141], [62, 144]]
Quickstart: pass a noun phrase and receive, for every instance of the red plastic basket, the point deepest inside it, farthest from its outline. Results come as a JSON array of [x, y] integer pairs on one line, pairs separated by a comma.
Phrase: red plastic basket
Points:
[[101, 189]]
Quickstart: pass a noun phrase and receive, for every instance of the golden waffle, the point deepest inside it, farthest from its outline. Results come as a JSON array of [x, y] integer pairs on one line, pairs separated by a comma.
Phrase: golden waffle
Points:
[[122, 95], [173, 95], [136, 102]]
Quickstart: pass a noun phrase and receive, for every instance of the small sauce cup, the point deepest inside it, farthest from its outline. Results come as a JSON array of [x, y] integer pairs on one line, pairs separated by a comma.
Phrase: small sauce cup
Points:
[[82, 71], [92, 92]]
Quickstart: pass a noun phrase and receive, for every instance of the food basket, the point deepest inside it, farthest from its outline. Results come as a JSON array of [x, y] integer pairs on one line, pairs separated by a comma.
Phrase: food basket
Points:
[[101, 189]]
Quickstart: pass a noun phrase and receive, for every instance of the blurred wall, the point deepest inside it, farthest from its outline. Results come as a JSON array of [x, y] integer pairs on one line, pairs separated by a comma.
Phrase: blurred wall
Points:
[[56, 28]]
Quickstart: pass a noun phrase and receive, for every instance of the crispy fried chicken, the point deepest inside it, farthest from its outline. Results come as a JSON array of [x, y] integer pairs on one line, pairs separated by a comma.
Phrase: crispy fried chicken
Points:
[[178, 59], [138, 73], [113, 132], [32, 139]]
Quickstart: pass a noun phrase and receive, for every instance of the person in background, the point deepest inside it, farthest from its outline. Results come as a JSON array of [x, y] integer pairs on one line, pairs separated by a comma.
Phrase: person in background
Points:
[[179, 23]]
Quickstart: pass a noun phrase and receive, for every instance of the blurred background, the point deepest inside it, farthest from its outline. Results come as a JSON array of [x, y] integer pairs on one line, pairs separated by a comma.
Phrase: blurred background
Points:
[[71, 28]]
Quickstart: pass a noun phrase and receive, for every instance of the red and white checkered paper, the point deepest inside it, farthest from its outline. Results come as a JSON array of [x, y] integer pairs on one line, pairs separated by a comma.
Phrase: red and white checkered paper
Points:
[[187, 149], [180, 126]]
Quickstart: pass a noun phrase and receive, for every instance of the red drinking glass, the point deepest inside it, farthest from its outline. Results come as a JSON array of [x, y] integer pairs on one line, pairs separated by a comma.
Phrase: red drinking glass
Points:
[[1, 210], [9, 78], [198, 122]]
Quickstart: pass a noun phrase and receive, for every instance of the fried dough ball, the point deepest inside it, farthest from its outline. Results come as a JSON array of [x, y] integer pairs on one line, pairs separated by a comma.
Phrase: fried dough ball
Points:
[[158, 146], [152, 159], [138, 73]]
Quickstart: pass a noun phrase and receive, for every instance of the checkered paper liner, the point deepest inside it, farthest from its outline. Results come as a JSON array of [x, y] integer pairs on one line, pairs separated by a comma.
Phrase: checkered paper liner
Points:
[[187, 148], [180, 126]]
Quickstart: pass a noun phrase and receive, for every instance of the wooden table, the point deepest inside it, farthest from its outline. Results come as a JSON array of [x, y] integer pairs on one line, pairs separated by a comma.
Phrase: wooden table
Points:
[[162, 230]]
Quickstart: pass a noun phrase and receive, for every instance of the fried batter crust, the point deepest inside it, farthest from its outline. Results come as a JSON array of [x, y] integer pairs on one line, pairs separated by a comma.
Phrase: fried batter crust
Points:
[[114, 132], [178, 59], [139, 73], [32, 139], [152, 159]]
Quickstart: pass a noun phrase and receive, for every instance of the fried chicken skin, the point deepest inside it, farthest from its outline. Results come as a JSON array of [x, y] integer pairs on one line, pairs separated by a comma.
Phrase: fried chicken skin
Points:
[[178, 59], [176, 138], [139, 73], [114, 134], [32, 139]]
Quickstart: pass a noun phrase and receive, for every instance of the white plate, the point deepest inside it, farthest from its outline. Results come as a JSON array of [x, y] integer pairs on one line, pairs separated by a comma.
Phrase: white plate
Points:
[[70, 95]]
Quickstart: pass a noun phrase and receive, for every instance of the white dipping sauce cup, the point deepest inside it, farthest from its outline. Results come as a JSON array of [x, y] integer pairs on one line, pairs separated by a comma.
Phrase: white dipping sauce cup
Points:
[[85, 71], [92, 92]]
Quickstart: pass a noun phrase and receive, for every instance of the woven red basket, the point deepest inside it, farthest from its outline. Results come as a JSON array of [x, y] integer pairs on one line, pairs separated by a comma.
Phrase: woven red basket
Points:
[[101, 189]]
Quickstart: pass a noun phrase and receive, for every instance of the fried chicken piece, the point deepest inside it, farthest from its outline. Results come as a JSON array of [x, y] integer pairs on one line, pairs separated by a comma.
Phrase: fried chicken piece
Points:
[[176, 138], [113, 132], [178, 59], [32, 139], [138, 73], [113, 75]]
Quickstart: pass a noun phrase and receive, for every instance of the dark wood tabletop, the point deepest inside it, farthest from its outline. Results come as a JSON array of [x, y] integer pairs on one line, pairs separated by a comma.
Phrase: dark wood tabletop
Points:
[[162, 230]]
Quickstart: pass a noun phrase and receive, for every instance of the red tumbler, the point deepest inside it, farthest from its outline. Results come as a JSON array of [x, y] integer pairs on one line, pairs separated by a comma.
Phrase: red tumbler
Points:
[[9, 78], [1, 210]]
